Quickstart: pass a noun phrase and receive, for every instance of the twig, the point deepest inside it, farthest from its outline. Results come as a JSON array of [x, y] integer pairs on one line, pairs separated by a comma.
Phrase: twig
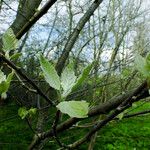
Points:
[[97, 127], [14, 10], [26, 87], [31, 126], [54, 126]]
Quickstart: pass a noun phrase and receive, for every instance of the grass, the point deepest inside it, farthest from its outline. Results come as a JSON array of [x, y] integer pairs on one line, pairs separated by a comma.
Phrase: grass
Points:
[[125, 134], [14, 132], [130, 134]]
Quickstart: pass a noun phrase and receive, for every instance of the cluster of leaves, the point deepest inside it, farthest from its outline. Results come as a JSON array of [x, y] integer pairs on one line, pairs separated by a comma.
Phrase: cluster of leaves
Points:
[[65, 84], [23, 112], [9, 42], [143, 65]]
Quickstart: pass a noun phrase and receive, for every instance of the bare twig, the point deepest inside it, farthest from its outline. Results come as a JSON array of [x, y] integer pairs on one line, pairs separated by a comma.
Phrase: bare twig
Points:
[[25, 86]]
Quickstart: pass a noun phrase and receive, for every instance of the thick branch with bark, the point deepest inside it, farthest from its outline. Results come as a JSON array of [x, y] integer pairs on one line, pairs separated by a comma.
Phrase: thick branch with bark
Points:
[[27, 16], [130, 97], [123, 106], [26, 9], [33, 18]]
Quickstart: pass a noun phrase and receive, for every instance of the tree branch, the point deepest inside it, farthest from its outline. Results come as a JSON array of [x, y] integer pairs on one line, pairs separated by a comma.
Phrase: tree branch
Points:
[[132, 96], [35, 18], [9, 63], [124, 105], [74, 36]]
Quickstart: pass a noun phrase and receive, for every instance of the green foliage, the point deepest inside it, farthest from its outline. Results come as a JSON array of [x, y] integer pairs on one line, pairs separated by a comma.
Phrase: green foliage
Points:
[[83, 76], [143, 65], [78, 109], [2, 77], [5, 82], [68, 79], [14, 132], [9, 43], [23, 112], [32, 111], [125, 73], [50, 73], [117, 135], [9, 40], [120, 116], [148, 59]]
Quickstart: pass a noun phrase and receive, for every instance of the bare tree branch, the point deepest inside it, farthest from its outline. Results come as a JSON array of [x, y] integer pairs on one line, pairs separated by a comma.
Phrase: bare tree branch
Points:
[[74, 36]]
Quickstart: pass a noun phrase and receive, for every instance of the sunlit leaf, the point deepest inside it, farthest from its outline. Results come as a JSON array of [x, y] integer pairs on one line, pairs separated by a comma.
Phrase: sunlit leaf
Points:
[[9, 40], [142, 65], [5, 83], [22, 112], [32, 111], [68, 79], [50, 73], [120, 116], [2, 77], [78, 109], [148, 59]]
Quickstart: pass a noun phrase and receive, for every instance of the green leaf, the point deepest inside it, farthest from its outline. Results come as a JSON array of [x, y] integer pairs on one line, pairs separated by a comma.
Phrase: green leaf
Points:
[[142, 65], [83, 76], [68, 79], [120, 116], [3, 87], [125, 73], [50, 73], [78, 109], [9, 78], [32, 111], [148, 58], [9, 40], [2, 77], [5, 83], [22, 112], [3, 95]]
